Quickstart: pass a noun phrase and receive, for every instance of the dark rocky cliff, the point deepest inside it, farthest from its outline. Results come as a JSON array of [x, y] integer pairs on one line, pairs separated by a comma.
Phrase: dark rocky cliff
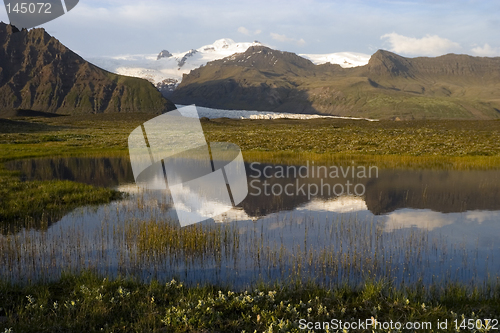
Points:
[[39, 73]]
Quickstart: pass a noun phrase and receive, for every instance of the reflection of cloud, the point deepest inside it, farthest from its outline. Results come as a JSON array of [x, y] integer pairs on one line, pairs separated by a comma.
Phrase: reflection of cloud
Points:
[[218, 211], [480, 217], [422, 219], [234, 214], [343, 204], [428, 45]]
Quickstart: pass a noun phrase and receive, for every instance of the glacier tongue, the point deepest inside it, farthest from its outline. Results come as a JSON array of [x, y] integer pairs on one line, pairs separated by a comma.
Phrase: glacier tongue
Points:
[[211, 113]]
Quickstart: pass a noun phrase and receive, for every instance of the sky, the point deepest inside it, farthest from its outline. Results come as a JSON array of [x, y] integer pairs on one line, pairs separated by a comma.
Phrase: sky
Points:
[[409, 28]]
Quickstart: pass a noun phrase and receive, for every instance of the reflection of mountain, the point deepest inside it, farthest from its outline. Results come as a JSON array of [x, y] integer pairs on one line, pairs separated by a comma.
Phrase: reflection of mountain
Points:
[[440, 191], [261, 200], [343, 204], [99, 171]]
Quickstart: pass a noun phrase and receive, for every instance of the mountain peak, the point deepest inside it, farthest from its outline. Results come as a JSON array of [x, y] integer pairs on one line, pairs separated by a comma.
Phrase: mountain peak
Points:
[[164, 54], [227, 47], [264, 58], [384, 62], [223, 43], [8, 28]]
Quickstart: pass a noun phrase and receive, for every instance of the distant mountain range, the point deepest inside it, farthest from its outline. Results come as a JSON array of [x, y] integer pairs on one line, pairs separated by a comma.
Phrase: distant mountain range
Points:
[[389, 86], [38, 73], [165, 70]]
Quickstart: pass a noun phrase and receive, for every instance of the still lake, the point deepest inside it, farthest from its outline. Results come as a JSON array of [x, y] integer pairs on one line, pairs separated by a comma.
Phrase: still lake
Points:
[[406, 226]]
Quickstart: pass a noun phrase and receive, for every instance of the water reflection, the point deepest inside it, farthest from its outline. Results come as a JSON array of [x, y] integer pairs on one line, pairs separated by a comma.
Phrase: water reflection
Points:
[[99, 171], [410, 225], [444, 191]]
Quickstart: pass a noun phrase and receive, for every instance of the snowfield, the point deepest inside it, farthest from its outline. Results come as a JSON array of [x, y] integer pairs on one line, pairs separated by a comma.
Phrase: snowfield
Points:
[[344, 59], [148, 66]]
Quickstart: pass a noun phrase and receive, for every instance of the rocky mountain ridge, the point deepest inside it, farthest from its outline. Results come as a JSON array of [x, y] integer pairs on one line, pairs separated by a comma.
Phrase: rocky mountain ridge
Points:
[[39, 73]]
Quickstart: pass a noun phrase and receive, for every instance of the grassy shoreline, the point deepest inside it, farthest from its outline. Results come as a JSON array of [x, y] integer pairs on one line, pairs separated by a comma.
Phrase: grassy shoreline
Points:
[[39, 203], [89, 303]]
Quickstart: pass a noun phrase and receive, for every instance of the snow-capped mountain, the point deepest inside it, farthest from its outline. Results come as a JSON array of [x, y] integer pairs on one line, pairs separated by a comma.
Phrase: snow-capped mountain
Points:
[[344, 59], [165, 69]]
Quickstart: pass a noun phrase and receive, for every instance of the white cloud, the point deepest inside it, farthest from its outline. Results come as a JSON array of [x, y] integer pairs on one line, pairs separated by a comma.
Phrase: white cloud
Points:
[[244, 31], [425, 46], [486, 51], [285, 39]]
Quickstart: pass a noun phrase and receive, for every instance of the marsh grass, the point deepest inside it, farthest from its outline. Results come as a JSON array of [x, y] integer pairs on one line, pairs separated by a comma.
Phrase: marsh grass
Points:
[[39, 203], [145, 244], [343, 268], [381, 161], [192, 242], [344, 248]]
